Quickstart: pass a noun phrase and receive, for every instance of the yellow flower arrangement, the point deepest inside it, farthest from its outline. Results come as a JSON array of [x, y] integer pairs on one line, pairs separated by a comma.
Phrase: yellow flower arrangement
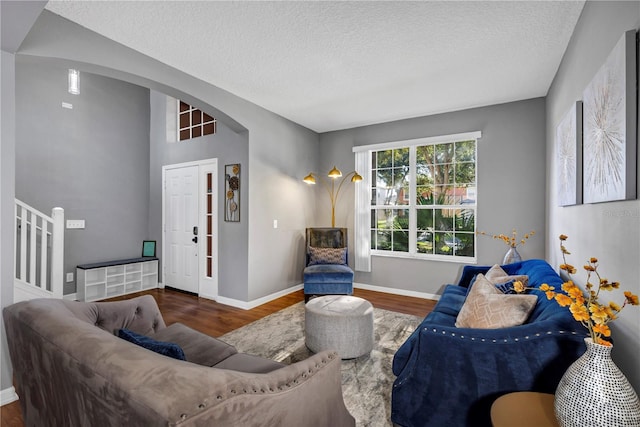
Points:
[[584, 306], [511, 240]]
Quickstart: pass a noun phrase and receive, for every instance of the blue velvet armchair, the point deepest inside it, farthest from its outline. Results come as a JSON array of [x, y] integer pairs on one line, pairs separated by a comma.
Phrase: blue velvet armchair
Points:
[[327, 271]]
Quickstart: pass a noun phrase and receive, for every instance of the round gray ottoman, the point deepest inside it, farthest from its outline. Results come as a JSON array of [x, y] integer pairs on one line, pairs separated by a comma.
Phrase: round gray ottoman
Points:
[[339, 322]]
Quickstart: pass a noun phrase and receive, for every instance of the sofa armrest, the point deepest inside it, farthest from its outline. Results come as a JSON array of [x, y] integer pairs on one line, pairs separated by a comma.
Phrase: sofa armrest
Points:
[[306, 393], [449, 365]]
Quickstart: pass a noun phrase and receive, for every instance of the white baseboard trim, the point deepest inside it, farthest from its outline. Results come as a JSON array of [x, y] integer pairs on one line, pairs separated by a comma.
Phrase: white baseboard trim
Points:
[[395, 291], [253, 304], [206, 296], [7, 396], [71, 297]]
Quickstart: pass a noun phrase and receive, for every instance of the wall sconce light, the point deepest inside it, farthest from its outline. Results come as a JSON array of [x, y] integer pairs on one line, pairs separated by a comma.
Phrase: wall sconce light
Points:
[[334, 174], [74, 81]]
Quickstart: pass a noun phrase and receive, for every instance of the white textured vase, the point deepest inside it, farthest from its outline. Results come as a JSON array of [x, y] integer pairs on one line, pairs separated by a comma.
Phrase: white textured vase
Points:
[[511, 256], [594, 392]]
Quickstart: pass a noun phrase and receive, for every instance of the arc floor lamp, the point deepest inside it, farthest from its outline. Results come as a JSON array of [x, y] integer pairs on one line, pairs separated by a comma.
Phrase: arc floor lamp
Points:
[[333, 174]]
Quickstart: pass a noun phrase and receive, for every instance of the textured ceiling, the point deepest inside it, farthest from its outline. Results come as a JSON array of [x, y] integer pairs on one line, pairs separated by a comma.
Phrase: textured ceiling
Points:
[[335, 65]]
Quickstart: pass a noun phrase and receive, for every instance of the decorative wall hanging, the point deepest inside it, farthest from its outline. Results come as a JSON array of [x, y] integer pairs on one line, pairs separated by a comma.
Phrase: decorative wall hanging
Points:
[[569, 157], [610, 145], [232, 187]]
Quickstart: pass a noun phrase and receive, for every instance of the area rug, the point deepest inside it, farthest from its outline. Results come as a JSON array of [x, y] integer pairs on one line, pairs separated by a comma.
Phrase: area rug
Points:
[[366, 381]]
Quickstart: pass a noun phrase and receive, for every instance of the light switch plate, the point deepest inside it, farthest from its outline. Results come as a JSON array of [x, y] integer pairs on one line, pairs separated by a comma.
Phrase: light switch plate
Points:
[[75, 223], [69, 277]]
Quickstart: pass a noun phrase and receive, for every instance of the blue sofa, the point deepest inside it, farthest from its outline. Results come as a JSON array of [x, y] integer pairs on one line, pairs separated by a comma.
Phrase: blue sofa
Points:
[[449, 376]]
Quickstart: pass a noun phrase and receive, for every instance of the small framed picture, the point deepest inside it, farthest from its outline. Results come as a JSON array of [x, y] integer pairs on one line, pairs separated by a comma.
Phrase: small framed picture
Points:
[[149, 248]]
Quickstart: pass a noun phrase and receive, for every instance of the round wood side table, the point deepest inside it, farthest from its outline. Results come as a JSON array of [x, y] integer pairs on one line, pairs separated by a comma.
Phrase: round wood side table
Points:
[[524, 409]]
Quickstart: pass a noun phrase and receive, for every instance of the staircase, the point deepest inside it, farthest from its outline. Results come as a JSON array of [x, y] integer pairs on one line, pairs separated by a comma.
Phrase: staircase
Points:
[[39, 253]]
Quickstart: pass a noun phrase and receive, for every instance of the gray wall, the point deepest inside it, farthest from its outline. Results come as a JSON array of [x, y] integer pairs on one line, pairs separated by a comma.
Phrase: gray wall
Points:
[[7, 185], [280, 152], [92, 160], [511, 184], [228, 147], [607, 231]]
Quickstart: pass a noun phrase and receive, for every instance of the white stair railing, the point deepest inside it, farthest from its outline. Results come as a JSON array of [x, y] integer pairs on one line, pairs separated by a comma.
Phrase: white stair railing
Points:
[[39, 253]]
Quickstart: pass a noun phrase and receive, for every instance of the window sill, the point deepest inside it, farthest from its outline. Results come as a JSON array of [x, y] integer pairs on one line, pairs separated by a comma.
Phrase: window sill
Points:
[[437, 258]]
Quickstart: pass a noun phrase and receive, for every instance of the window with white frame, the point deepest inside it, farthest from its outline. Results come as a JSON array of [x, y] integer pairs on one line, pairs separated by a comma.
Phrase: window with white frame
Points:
[[422, 200], [193, 123]]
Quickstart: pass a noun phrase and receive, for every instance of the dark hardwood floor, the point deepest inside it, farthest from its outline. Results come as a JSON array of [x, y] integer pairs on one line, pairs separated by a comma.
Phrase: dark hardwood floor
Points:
[[216, 319]]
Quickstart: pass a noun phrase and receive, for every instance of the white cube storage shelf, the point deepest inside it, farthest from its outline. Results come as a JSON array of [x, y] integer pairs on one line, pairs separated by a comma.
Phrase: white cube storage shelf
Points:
[[114, 278]]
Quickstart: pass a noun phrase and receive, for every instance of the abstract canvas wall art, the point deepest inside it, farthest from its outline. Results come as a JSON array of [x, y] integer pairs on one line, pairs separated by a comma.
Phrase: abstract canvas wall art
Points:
[[569, 157], [609, 151]]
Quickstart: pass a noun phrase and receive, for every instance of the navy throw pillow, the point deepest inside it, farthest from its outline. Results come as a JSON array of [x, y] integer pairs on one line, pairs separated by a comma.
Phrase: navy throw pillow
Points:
[[471, 282], [168, 349], [507, 288]]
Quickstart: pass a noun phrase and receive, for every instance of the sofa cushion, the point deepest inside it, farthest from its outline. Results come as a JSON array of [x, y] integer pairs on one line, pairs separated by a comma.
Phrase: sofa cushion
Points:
[[540, 272], [498, 276], [328, 273], [198, 348], [248, 363], [488, 308], [440, 319], [327, 255], [451, 300], [139, 314], [168, 349]]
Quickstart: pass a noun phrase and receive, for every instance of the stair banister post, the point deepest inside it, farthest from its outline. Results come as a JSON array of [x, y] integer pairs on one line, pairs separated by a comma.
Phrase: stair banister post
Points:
[[57, 253]]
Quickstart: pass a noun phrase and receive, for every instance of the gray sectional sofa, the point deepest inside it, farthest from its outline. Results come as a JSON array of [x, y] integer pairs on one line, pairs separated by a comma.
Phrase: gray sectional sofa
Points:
[[70, 368]]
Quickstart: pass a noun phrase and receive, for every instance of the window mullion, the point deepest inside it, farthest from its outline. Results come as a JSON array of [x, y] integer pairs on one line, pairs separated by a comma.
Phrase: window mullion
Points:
[[413, 217]]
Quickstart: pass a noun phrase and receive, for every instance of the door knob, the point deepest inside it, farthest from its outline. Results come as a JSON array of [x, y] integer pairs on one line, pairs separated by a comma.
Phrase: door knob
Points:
[[195, 239]]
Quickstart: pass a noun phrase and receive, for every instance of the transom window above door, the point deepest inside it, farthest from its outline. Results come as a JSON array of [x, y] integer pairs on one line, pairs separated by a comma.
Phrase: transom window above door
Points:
[[193, 123]]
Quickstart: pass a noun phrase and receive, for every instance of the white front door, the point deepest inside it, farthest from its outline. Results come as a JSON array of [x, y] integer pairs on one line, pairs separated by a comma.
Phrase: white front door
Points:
[[181, 228]]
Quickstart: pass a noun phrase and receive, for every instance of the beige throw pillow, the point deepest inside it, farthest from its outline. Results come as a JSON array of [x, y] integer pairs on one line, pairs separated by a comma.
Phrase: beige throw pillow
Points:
[[497, 276], [488, 308]]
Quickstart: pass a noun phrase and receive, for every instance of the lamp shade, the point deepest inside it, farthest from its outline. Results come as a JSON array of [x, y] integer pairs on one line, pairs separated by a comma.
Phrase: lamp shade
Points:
[[334, 173], [309, 179], [356, 177]]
